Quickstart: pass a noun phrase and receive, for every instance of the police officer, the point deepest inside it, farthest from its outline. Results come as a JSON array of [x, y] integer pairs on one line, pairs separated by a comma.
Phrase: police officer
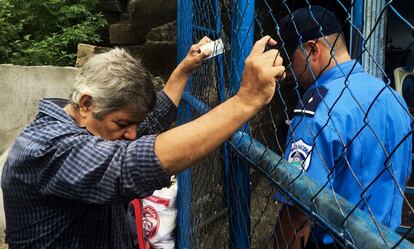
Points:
[[350, 131]]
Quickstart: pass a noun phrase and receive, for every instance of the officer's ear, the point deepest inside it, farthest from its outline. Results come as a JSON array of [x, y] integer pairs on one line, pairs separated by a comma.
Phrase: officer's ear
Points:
[[313, 48]]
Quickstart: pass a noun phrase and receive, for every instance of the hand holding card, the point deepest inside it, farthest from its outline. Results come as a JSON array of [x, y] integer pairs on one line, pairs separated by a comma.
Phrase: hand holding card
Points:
[[216, 47]]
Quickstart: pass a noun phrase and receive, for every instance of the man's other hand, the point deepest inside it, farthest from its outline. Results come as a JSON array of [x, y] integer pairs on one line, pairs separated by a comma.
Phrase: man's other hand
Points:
[[261, 71], [194, 57]]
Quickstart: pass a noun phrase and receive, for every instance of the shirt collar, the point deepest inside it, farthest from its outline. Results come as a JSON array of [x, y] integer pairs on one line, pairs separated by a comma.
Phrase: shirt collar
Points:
[[54, 108], [341, 70]]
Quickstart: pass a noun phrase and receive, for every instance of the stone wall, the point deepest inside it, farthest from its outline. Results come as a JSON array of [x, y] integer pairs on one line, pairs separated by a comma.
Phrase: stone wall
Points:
[[147, 29]]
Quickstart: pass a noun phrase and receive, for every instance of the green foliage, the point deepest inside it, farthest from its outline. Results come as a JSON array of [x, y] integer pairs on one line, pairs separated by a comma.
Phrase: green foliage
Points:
[[46, 32]]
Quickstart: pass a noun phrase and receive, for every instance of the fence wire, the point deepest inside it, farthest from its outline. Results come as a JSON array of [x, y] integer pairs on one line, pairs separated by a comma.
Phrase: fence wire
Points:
[[339, 167]]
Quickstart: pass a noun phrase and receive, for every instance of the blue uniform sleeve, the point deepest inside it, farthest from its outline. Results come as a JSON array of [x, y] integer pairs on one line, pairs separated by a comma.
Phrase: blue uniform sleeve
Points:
[[160, 119]]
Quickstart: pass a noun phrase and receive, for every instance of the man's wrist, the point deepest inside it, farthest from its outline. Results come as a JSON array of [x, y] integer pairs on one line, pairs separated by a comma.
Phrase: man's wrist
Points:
[[246, 104], [180, 73], [249, 101]]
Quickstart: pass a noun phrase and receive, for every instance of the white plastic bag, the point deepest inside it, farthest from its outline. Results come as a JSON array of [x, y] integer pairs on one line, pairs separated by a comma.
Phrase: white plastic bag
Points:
[[159, 215]]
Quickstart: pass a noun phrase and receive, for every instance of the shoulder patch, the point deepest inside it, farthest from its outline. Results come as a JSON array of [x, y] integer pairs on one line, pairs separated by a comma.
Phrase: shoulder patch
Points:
[[310, 102], [300, 154]]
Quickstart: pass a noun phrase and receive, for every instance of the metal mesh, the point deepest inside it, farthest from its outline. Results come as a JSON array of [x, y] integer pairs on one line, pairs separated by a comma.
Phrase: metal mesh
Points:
[[297, 157]]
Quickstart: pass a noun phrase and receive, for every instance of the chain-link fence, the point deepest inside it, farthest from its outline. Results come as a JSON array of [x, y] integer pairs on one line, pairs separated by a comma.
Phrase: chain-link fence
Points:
[[327, 163]]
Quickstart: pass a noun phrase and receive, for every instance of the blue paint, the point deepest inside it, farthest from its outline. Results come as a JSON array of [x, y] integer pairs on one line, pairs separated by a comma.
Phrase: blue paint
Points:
[[237, 178], [184, 41], [355, 41], [211, 33], [195, 103]]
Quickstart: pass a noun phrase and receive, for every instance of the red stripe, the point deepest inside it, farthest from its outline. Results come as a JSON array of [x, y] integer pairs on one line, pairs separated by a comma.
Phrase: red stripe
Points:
[[162, 201], [136, 203]]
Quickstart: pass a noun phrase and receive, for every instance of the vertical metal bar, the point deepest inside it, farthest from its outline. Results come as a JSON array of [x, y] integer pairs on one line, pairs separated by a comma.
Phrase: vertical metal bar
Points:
[[184, 41], [220, 79], [374, 59], [356, 39], [238, 180], [223, 97]]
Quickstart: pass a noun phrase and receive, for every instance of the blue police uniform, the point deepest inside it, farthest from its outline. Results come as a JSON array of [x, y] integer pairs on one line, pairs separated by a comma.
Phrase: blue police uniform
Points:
[[347, 130]]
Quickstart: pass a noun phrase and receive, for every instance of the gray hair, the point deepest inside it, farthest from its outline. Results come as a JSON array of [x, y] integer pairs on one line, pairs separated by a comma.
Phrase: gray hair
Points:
[[114, 80]]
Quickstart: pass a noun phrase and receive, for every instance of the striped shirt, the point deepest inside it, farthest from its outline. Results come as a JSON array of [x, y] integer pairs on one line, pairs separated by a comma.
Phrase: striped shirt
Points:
[[65, 188]]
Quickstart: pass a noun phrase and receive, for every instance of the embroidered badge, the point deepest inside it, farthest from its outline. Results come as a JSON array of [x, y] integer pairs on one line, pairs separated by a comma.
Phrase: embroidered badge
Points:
[[300, 154]]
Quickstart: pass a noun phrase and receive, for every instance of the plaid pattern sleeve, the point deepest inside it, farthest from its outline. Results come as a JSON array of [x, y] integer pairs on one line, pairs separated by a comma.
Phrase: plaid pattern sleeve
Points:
[[93, 170], [159, 120], [65, 188]]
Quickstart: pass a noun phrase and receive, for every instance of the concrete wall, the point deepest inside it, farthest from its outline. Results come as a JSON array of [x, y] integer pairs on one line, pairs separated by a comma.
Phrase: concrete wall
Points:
[[21, 88]]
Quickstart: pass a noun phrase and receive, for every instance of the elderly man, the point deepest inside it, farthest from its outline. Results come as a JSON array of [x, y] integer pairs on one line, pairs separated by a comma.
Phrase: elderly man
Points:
[[71, 173], [351, 132]]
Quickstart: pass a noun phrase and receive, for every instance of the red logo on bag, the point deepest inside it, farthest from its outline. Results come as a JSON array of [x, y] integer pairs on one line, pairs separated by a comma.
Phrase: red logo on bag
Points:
[[150, 221]]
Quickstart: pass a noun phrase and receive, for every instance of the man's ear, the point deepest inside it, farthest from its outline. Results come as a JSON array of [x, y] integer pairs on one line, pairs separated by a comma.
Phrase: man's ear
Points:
[[85, 105], [314, 49]]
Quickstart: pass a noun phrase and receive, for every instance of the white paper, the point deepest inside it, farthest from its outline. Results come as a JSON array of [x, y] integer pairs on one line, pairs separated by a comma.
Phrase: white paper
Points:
[[216, 47]]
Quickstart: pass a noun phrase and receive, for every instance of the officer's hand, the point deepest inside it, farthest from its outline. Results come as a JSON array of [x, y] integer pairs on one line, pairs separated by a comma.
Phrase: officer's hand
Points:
[[261, 71], [194, 57]]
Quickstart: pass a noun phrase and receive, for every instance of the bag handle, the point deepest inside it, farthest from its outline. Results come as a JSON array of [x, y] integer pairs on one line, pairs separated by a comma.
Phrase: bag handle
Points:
[[142, 243]]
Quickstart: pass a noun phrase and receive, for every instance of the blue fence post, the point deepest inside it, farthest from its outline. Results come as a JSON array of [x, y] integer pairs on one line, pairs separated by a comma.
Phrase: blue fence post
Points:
[[223, 95], [184, 42], [237, 180], [356, 39]]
